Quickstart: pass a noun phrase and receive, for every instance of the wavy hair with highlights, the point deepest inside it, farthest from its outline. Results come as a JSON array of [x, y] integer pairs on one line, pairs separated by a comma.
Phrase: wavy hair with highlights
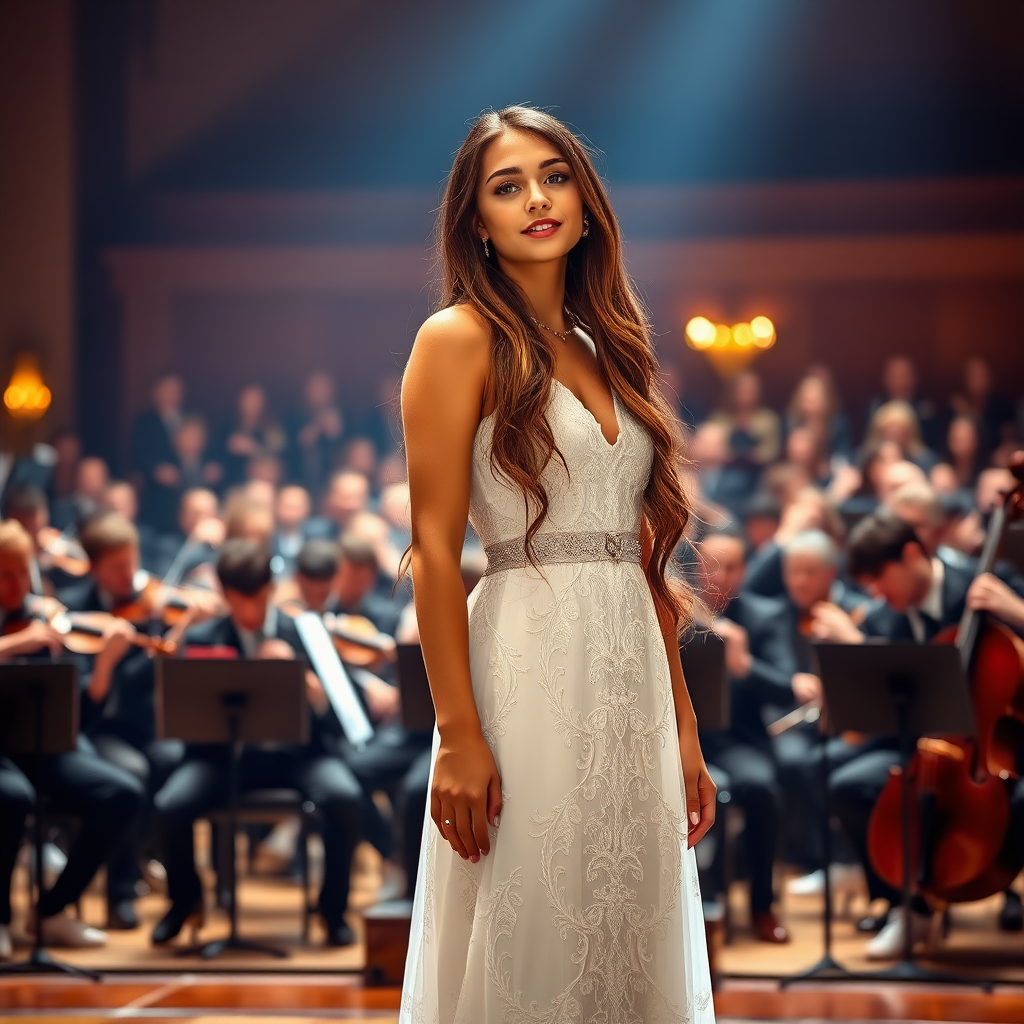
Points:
[[599, 292]]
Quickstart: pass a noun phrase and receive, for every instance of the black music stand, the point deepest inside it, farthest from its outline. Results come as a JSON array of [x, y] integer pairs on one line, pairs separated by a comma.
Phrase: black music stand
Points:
[[906, 690], [703, 661], [229, 703], [827, 968], [417, 702], [41, 702]]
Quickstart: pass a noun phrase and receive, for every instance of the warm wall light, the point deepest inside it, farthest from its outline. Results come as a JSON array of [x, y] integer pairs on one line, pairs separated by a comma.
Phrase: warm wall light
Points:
[[26, 396], [730, 348]]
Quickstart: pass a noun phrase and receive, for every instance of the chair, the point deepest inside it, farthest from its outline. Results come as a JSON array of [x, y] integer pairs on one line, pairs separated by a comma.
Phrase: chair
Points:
[[270, 806]]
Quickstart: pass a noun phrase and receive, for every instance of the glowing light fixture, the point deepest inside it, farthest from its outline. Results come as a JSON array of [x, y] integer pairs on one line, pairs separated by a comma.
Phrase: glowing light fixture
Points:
[[730, 348], [27, 397], [700, 333], [763, 331]]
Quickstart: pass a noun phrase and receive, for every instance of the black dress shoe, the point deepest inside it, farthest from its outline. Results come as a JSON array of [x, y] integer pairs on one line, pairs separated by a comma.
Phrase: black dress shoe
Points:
[[1011, 917], [340, 934], [873, 922], [121, 916], [175, 919]]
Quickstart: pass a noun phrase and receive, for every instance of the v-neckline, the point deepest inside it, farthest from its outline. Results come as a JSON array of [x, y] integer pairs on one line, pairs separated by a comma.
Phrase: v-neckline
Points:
[[596, 422]]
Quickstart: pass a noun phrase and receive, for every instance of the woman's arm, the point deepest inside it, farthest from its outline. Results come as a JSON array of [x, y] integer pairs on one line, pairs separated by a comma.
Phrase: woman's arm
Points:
[[442, 398], [700, 789]]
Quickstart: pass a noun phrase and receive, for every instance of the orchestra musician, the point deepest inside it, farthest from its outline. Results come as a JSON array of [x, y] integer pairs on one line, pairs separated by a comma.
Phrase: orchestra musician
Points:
[[762, 674], [921, 595], [810, 572], [104, 797], [117, 706], [384, 762], [256, 628]]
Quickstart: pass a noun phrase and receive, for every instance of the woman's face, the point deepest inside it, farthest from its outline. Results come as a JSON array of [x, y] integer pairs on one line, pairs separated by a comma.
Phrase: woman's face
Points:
[[528, 203], [812, 402], [250, 404], [963, 438], [746, 394], [895, 428]]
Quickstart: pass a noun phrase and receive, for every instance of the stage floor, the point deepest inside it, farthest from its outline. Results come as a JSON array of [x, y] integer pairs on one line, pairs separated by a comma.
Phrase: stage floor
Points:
[[223, 998], [271, 911]]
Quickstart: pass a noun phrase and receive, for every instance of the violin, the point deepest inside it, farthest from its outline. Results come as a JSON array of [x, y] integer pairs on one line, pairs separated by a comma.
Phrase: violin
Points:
[[812, 711], [356, 639], [80, 632], [61, 553], [960, 837], [170, 606]]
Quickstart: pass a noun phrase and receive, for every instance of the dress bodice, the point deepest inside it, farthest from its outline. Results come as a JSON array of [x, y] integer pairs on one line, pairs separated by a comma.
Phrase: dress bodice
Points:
[[602, 492]]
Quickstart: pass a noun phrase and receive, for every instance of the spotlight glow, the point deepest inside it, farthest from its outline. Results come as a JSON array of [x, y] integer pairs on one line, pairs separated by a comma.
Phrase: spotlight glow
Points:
[[700, 333]]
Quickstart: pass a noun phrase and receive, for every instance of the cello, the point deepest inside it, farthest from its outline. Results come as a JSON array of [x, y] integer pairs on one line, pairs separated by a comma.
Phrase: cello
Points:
[[960, 836]]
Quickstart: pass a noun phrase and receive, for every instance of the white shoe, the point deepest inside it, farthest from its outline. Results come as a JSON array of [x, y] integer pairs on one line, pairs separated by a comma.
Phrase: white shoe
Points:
[[54, 862], [844, 880], [63, 930], [6, 947], [888, 943]]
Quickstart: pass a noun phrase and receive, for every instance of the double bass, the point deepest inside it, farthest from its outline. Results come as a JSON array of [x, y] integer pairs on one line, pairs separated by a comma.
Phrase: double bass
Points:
[[961, 839]]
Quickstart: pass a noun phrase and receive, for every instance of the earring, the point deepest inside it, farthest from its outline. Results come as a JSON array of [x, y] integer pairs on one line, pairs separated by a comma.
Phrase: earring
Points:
[[487, 250], [586, 225]]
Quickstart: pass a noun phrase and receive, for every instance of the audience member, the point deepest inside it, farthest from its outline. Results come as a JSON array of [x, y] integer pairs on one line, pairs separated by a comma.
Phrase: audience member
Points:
[[315, 434], [154, 461], [899, 384], [252, 433], [980, 402], [753, 431]]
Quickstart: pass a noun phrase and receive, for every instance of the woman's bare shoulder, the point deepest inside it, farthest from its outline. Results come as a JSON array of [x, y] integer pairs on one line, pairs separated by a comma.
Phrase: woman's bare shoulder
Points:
[[458, 332]]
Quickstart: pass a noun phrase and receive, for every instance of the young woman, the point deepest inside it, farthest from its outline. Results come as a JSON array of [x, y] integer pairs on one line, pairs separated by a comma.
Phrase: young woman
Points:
[[530, 404]]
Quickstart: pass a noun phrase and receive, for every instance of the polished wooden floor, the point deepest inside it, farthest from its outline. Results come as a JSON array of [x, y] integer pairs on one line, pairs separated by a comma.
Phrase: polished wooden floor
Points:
[[318, 983], [209, 998]]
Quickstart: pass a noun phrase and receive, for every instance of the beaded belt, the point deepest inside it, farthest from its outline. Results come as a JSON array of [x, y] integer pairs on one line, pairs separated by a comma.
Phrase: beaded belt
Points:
[[564, 547]]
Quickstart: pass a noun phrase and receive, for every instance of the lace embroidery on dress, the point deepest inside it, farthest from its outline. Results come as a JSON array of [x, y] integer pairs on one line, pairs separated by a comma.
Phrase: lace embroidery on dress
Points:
[[587, 910]]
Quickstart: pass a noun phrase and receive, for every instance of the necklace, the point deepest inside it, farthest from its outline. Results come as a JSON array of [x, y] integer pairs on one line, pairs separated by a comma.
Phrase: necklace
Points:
[[563, 335]]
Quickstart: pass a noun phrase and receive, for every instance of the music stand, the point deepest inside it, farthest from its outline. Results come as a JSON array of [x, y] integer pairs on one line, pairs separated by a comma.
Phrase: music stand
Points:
[[703, 660], [905, 690], [228, 703], [827, 968], [41, 702], [417, 702]]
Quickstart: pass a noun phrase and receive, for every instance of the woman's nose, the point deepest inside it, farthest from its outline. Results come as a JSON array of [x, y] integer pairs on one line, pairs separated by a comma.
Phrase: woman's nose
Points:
[[538, 200]]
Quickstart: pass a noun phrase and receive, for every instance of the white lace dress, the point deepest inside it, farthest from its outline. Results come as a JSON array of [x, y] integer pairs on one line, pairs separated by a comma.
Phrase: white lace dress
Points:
[[587, 909]]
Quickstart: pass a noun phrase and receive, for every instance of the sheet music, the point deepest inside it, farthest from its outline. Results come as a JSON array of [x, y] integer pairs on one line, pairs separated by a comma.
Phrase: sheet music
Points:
[[336, 682]]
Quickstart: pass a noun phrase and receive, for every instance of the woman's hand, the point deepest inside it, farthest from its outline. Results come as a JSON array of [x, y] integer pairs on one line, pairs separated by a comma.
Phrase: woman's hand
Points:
[[466, 794], [700, 789]]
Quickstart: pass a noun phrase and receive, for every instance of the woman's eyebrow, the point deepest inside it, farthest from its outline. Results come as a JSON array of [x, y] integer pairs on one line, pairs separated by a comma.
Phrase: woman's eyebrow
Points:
[[519, 170]]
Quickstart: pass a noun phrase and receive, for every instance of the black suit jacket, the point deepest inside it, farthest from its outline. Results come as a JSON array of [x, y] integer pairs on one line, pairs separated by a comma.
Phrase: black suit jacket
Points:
[[887, 624], [128, 709], [769, 683]]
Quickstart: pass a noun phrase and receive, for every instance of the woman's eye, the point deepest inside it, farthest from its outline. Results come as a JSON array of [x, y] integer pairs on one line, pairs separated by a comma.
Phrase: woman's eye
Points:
[[558, 178], [506, 188]]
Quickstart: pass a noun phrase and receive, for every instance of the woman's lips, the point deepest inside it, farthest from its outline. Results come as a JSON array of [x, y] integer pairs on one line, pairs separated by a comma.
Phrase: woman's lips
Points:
[[542, 228]]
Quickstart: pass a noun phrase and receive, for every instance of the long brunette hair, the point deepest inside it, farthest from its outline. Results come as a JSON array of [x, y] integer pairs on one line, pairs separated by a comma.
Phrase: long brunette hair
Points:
[[598, 291]]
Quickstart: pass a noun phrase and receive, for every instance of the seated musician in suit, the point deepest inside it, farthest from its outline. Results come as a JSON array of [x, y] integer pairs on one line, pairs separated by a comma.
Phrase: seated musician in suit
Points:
[[761, 670], [385, 761], [255, 628], [103, 796], [810, 572], [922, 595], [355, 586], [117, 704]]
